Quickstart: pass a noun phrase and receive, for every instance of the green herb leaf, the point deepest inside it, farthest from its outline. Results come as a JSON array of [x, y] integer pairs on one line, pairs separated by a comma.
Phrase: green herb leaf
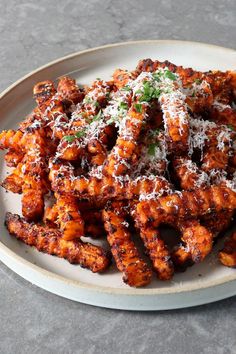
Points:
[[169, 75], [69, 138], [151, 149], [157, 75], [97, 116], [123, 105], [230, 126], [138, 107], [80, 134], [198, 81], [126, 88], [88, 99]]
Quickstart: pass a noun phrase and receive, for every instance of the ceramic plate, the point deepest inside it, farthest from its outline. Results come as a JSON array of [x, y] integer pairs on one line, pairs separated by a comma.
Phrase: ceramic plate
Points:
[[203, 283]]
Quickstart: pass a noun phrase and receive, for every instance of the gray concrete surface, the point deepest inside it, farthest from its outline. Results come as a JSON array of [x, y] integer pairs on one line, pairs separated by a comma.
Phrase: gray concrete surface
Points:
[[34, 321]]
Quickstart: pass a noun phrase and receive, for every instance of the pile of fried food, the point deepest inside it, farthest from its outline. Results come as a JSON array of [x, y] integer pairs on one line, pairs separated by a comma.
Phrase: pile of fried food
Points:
[[151, 147]]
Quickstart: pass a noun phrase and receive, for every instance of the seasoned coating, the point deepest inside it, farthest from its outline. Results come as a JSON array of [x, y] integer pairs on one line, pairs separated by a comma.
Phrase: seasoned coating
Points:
[[50, 241], [216, 152], [135, 270], [158, 252], [122, 77], [11, 139], [13, 157], [223, 114], [188, 174], [68, 89], [222, 84], [69, 218], [227, 256], [176, 120], [197, 239], [63, 180], [43, 91], [186, 204], [120, 158], [215, 223]]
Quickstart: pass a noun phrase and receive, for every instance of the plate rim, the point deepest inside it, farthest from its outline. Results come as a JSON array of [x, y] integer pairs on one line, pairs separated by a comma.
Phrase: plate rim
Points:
[[101, 288]]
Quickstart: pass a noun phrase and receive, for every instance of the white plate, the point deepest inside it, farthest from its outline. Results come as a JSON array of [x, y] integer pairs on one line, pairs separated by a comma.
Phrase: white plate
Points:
[[200, 284]]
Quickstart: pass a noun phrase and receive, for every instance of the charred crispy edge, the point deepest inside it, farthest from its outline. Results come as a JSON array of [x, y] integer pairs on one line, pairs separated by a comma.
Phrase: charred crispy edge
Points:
[[197, 238], [68, 89], [216, 223], [43, 91], [69, 217], [186, 204], [49, 241], [135, 271], [227, 255], [11, 139], [158, 252], [217, 79], [105, 188], [189, 178]]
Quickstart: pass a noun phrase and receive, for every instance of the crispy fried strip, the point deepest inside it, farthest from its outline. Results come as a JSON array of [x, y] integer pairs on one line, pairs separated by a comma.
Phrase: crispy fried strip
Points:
[[122, 77], [221, 83], [135, 271], [158, 252], [176, 120], [197, 239], [216, 223], [189, 175], [213, 156], [186, 204], [223, 114], [69, 218], [119, 160], [13, 157], [68, 89], [43, 91], [50, 241], [64, 181], [11, 139], [227, 256], [93, 223], [14, 181]]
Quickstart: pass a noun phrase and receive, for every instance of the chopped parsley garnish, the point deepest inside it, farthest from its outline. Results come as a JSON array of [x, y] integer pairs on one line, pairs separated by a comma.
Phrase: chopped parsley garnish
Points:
[[151, 149], [88, 99], [97, 117], [148, 92], [71, 138], [230, 126], [126, 88], [123, 105], [198, 81], [138, 107], [80, 134], [169, 75]]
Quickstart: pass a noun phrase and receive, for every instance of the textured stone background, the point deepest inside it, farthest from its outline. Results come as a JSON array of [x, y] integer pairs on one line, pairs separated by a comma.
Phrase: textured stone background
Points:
[[34, 321]]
